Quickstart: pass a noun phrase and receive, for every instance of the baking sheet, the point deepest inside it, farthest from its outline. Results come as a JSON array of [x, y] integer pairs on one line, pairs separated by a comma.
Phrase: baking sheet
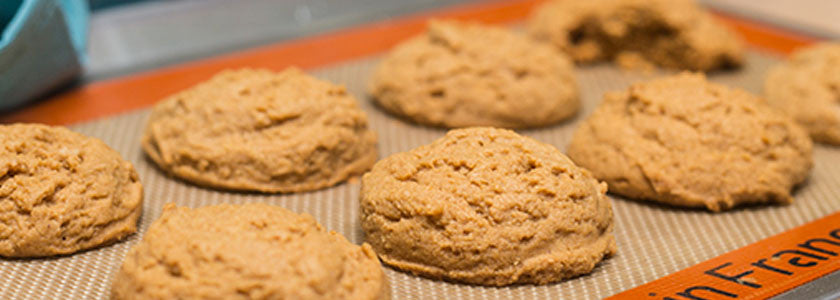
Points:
[[653, 240]]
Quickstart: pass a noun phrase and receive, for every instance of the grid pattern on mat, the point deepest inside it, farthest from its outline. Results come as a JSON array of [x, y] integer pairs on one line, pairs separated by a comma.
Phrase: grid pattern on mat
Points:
[[653, 240]]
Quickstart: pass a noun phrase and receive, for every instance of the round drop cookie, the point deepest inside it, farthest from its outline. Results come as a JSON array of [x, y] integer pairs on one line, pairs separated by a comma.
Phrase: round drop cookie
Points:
[[466, 74], [251, 251], [62, 192], [683, 141], [676, 34], [487, 206], [258, 130], [807, 87]]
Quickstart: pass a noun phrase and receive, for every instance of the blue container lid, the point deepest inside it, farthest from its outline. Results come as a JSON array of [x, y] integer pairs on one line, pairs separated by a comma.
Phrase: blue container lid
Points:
[[42, 46]]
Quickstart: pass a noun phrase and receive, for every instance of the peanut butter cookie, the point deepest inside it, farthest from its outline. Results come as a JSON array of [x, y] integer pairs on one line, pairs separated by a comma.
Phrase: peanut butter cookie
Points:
[[487, 206], [684, 141], [251, 251], [807, 87], [676, 34], [466, 74], [257, 130], [62, 192]]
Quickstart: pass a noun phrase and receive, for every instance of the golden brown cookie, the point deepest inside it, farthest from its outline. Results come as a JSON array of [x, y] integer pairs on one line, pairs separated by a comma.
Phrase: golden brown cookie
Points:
[[676, 34], [466, 74], [62, 192], [684, 141], [251, 251], [487, 206], [807, 87], [258, 130]]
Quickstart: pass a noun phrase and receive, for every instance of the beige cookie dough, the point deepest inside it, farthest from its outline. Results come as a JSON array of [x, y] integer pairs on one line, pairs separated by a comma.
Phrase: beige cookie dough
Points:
[[258, 130], [487, 206], [251, 251], [677, 34], [62, 192], [466, 74], [807, 87], [684, 141]]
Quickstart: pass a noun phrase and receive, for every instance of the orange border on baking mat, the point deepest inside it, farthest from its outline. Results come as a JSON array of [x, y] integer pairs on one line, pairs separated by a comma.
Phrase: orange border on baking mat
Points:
[[757, 271], [108, 97]]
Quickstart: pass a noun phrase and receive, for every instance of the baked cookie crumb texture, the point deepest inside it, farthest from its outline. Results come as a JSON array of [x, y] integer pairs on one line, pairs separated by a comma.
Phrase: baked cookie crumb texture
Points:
[[677, 34], [807, 87], [683, 141], [62, 192], [466, 74], [251, 251], [258, 130], [487, 206]]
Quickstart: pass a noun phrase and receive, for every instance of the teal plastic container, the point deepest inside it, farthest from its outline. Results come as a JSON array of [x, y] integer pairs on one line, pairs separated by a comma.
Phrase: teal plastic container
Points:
[[42, 47]]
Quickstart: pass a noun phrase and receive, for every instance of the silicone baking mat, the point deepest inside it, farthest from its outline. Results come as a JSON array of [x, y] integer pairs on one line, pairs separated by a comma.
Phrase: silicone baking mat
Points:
[[653, 240]]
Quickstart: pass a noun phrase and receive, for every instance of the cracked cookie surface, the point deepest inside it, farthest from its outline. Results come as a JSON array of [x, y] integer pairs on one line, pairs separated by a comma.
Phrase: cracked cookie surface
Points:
[[258, 130], [466, 74], [62, 192], [683, 141], [487, 206], [250, 251], [676, 34], [807, 87]]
